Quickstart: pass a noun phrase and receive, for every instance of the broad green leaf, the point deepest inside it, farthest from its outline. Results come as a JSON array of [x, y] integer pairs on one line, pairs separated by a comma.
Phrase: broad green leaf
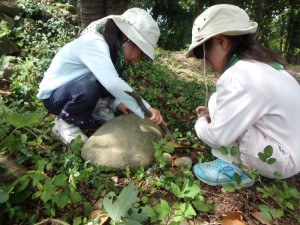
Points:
[[19, 197], [130, 222], [139, 215], [270, 161], [202, 206], [24, 138], [12, 143], [188, 210], [289, 205], [193, 191], [62, 200], [176, 190], [187, 190], [262, 157], [23, 120], [229, 187], [162, 209], [88, 208], [144, 199], [264, 208], [46, 195], [268, 151], [36, 194], [177, 219], [266, 216], [237, 178], [233, 151], [77, 221], [52, 211], [4, 196], [37, 177], [276, 213], [223, 150], [117, 207], [60, 180], [75, 197], [41, 165], [151, 213], [23, 185]]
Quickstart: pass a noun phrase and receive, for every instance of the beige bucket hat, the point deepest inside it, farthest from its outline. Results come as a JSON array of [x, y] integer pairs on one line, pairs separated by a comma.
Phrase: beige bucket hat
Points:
[[220, 19], [137, 24]]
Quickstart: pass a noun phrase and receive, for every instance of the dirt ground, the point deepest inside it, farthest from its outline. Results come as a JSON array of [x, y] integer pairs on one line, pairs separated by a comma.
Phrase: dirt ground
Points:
[[246, 200]]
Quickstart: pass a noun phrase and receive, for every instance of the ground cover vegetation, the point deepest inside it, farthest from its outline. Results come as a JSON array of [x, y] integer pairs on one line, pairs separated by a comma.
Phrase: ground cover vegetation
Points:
[[59, 186]]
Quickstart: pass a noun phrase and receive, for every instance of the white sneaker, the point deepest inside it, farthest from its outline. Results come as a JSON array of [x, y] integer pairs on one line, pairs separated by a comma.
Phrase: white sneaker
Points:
[[102, 112], [67, 132]]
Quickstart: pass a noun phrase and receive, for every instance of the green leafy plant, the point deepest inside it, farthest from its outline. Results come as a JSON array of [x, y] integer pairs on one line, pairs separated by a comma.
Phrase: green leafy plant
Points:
[[159, 212], [287, 198], [265, 156], [120, 208]]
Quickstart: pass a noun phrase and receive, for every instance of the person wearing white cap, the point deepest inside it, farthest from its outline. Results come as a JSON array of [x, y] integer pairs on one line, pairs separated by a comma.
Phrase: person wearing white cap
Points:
[[85, 73], [256, 106]]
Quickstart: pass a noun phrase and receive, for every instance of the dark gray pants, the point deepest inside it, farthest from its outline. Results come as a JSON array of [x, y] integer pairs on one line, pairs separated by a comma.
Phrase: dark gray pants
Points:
[[75, 101]]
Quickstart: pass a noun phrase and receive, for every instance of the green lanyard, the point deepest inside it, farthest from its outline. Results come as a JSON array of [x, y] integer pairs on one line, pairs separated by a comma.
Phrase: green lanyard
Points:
[[234, 60]]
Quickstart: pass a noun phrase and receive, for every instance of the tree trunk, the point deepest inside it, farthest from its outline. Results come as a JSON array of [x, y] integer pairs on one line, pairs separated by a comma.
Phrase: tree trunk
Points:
[[91, 10]]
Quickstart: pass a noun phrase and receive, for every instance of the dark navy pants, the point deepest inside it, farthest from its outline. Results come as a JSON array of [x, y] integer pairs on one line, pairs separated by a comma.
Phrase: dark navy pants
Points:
[[75, 101]]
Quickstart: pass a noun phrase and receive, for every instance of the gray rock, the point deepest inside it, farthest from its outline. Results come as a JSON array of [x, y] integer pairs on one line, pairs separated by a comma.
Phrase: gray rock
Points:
[[183, 162], [168, 158], [9, 7], [12, 171], [124, 141]]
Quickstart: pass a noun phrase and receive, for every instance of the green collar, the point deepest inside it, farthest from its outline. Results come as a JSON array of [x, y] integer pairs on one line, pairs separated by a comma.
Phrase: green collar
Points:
[[276, 65], [234, 59]]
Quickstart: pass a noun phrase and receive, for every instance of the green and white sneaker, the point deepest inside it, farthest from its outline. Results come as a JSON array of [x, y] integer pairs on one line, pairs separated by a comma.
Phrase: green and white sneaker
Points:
[[67, 132], [218, 173]]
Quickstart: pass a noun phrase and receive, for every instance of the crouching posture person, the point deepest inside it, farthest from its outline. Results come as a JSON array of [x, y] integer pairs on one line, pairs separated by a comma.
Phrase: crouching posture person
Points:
[[256, 103], [83, 78]]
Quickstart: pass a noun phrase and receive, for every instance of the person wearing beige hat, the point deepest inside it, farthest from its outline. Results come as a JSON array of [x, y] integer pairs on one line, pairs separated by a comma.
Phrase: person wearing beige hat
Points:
[[256, 106], [84, 76]]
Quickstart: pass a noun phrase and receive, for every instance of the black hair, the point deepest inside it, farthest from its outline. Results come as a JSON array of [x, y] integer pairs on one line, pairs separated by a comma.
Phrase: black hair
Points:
[[245, 47], [113, 37]]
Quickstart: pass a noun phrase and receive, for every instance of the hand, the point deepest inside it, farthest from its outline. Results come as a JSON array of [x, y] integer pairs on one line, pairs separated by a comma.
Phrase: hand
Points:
[[202, 111], [122, 108], [156, 116]]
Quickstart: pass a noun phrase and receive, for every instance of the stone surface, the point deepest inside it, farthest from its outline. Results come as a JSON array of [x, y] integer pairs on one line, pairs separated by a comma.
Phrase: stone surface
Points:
[[9, 7], [12, 169], [168, 158], [124, 141], [183, 162]]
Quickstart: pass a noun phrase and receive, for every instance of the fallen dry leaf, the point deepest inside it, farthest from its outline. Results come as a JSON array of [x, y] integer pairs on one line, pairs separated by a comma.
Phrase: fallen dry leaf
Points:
[[176, 145], [234, 218], [103, 216], [257, 216]]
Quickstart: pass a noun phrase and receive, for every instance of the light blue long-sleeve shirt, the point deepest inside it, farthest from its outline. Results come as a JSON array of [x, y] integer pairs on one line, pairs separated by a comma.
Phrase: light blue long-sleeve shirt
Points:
[[88, 57]]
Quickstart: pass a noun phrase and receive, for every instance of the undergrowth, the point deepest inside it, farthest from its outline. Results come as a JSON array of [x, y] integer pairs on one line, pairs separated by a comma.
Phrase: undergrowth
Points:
[[59, 184]]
